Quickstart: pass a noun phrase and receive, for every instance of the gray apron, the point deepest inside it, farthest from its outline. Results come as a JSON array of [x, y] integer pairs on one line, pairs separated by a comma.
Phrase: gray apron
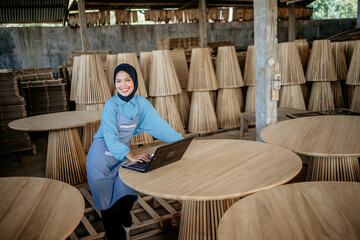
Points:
[[102, 168]]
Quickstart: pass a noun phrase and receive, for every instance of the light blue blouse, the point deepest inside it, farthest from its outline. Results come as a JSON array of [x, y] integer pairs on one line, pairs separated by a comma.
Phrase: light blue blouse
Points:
[[150, 122]]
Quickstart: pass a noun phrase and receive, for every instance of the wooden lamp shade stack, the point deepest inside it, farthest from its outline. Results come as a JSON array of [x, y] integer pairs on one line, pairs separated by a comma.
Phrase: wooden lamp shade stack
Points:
[[182, 71], [304, 51], [292, 75], [92, 91], [202, 80], [163, 85], [341, 73], [228, 74], [353, 79], [321, 71], [145, 65], [249, 81]]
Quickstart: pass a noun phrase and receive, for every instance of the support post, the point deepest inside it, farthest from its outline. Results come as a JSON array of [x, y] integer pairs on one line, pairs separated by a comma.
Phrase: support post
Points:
[[291, 27], [83, 26], [265, 31], [358, 16], [202, 23]]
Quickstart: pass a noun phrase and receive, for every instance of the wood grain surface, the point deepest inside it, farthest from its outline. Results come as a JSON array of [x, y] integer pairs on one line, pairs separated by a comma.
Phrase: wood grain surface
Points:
[[310, 210], [322, 136], [56, 121], [216, 170], [38, 208]]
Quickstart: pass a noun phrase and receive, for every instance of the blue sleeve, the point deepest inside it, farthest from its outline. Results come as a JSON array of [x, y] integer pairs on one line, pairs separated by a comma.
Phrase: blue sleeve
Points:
[[152, 123], [110, 132]]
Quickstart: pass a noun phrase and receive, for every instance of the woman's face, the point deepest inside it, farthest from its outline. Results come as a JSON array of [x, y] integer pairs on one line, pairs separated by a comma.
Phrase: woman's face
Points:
[[123, 83]]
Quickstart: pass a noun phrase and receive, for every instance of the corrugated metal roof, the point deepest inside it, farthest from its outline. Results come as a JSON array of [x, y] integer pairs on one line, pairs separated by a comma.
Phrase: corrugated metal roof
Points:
[[33, 11]]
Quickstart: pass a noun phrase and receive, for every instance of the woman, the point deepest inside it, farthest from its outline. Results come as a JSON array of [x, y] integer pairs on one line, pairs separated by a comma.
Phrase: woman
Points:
[[123, 116]]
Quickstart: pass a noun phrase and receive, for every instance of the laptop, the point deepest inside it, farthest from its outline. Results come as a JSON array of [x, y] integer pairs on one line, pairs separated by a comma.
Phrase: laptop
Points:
[[163, 155]]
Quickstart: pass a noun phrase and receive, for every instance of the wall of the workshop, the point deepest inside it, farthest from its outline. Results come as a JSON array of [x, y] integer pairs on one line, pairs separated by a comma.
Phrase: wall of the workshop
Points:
[[45, 47]]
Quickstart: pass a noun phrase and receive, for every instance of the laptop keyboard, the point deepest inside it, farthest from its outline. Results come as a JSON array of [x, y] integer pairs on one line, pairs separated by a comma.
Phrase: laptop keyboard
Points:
[[142, 165]]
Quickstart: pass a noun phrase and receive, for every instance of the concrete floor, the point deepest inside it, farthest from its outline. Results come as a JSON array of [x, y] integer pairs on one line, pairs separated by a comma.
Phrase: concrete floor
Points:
[[27, 164]]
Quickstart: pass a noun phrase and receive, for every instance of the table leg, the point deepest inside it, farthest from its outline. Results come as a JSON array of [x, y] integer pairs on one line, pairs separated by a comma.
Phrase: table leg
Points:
[[66, 159], [200, 219], [333, 169]]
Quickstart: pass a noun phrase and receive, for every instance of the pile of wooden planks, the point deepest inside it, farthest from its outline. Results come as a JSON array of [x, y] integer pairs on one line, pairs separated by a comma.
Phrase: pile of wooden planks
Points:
[[43, 94], [12, 107]]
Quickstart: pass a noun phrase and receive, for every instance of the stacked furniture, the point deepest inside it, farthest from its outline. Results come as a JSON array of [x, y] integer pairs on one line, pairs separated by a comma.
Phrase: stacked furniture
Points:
[[249, 81], [91, 91], [353, 79], [202, 83], [163, 85], [182, 71], [304, 51], [321, 71], [292, 76], [12, 107], [230, 100], [341, 73]]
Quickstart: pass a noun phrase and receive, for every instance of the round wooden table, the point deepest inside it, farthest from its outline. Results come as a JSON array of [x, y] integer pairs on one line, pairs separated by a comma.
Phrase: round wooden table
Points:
[[66, 159], [333, 142], [309, 210], [211, 176], [38, 208]]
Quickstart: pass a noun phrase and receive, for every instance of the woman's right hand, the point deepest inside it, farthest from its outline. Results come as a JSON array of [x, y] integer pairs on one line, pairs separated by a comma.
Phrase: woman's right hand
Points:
[[140, 157]]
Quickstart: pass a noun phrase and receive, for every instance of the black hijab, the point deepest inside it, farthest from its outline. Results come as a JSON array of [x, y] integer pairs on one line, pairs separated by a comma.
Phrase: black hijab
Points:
[[132, 72]]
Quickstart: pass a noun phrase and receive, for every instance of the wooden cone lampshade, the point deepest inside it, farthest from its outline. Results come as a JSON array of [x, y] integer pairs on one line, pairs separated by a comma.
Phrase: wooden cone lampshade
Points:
[[131, 58], [337, 94], [349, 47], [75, 78], [228, 108], [111, 63], [201, 74], [304, 51], [321, 97], [305, 93], [250, 99], [291, 97], [355, 101], [290, 64], [202, 114], [249, 69], [145, 65], [163, 78], [228, 71], [181, 67], [321, 67], [240, 98], [167, 109], [341, 68], [353, 78], [92, 86], [183, 106]]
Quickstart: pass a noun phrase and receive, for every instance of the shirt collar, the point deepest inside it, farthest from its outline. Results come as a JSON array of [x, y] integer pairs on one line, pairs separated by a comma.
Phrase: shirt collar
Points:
[[121, 102]]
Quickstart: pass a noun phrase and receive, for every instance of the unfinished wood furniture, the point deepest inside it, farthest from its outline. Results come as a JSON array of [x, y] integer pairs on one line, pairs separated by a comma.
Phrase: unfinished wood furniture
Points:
[[38, 208], [211, 176], [66, 158], [310, 210], [331, 141], [321, 71], [353, 79]]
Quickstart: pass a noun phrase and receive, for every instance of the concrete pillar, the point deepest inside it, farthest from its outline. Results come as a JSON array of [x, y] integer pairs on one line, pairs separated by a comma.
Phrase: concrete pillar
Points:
[[202, 23], [292, 27], [358, 16], [83, 26], [265, 31]]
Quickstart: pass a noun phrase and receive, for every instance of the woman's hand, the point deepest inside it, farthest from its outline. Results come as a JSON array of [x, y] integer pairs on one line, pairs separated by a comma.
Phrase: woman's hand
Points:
[[141, 157]]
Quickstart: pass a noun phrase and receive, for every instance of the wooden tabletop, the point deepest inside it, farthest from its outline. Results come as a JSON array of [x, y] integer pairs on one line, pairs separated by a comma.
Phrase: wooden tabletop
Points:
[[310, 210], [218, 169], [56, 121], [38, 208], [323, 136]]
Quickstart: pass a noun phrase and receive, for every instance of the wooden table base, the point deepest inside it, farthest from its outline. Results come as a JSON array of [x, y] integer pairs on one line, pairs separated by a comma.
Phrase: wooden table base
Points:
[[200, 219], [66, 159], [333, 169]]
